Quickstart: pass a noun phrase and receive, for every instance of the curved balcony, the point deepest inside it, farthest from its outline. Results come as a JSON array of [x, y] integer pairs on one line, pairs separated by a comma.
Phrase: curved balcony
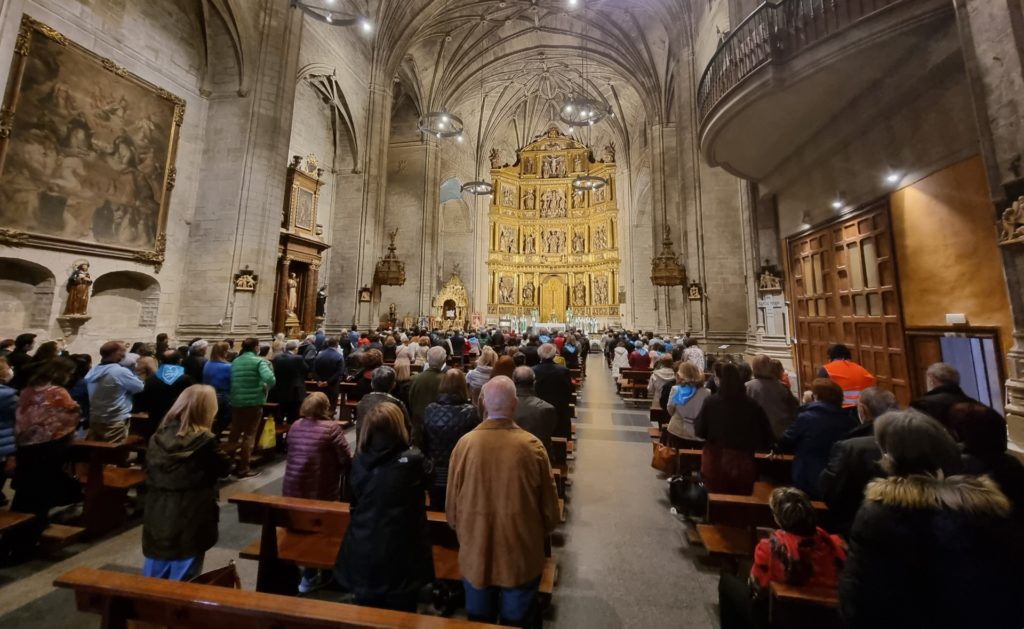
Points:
[[760, 95]]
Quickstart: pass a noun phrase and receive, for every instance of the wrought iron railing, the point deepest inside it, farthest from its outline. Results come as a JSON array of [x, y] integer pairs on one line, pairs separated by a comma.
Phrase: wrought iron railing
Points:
[[775, 32]]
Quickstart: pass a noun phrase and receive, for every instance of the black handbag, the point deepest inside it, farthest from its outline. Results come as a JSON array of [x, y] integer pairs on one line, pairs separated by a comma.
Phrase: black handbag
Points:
[[688, 495]]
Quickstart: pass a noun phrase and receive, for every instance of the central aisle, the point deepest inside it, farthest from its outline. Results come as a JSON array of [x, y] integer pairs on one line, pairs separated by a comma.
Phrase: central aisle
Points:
[[625, 561]]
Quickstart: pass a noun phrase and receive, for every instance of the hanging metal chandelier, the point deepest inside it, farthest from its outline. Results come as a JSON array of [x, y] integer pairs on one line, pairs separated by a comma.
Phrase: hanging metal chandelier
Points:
[[326, 11], [666, 270], [441, 124], [581, 111], [390, 271], [587, 183], [479, 188]]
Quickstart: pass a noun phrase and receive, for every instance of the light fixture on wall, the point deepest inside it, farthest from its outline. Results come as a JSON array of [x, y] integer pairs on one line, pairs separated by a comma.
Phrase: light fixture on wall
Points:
[[839, 202], [441, 124], [328, 12], [805, 220], [893, 177]]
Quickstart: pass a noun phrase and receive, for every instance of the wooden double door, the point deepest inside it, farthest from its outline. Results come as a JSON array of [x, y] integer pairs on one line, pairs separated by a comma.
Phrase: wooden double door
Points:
[[845, 289]]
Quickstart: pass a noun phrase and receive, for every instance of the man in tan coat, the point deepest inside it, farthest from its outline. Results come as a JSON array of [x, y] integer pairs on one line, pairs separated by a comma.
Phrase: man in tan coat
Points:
[[502, 504]]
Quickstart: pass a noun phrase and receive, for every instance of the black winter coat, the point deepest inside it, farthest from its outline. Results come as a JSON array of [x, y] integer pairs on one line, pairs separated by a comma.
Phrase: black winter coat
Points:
[[940, 400], [386, 548], [553, 384], [290, 378], [852, 464], [935, 554], [181, 513], [810, 438], [444, 423]]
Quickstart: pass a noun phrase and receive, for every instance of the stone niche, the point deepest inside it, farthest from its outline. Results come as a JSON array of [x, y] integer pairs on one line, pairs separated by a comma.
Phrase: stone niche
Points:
[[26, 296]]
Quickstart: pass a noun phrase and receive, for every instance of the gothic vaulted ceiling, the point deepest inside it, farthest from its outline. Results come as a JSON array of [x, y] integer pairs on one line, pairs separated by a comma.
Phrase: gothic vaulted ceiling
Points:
[[504, 64]]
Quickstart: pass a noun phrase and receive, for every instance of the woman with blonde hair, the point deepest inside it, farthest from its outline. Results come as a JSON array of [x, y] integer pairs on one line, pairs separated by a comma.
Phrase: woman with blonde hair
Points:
[[403, 379], [385, 558], [183, 465], [479, 376], [683, 404]]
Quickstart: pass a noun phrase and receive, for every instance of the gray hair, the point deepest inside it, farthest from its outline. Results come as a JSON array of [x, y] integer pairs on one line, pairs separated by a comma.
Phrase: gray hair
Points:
[[547, 351], [523, 376], [311, 337], [914, 443], [943, 373], [291, 345], [200, 345], [383, 379], [436, 357], [878, 401]]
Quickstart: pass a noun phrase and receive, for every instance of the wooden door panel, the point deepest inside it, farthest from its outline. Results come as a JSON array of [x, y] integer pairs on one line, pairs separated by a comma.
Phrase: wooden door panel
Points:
[[845, 290]]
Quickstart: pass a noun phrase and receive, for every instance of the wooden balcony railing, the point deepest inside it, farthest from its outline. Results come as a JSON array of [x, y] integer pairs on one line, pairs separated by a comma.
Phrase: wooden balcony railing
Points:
[[773, 33]]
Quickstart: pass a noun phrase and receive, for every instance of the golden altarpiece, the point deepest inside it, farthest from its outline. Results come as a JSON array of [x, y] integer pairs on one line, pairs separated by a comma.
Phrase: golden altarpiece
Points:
[[553, 248], [299, 250]]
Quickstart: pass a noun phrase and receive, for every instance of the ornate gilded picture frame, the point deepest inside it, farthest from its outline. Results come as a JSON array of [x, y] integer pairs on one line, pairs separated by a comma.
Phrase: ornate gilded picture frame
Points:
[[87, 151], [301, 204]]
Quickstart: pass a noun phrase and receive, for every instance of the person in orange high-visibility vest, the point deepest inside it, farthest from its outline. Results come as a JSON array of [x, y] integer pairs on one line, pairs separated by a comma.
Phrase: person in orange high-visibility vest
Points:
[[847, 374]]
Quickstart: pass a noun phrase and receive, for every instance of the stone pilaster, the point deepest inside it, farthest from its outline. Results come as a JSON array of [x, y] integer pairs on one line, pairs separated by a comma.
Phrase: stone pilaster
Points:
[[992, 38]]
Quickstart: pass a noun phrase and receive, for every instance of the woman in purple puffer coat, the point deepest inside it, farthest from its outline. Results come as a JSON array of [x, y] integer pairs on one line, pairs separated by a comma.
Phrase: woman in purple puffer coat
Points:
[[318, 465]]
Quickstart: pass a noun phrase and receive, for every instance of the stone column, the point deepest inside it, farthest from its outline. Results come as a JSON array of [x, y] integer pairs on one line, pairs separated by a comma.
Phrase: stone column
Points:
[[309, 299], [992, 39]]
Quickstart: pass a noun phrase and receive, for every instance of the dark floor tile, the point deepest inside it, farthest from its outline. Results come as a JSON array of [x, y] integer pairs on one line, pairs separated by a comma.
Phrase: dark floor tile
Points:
[[55, 610]]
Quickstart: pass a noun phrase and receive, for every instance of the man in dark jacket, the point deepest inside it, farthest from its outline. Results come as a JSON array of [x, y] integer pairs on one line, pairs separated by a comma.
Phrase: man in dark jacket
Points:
[[330, 368], [533, 414], [530, 351], [943, 381], [20, 356], [853, 461], [423, 391], [382, 383], [161, 390], [818, 426], [196, 360], [554, 385], [308, 351], [290, 388]]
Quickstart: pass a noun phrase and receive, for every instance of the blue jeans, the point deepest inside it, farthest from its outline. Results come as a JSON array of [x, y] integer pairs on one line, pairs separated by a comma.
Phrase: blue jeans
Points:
[[483, 604], [175, 570]]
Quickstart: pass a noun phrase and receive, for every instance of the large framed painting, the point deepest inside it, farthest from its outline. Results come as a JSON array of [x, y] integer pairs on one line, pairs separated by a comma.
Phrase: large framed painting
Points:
[[87, 151]]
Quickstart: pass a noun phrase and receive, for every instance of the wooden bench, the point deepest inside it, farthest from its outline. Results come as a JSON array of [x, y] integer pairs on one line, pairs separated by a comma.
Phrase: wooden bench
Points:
[[298, 532], [777, 467], [103, 471], [793, 607], [123, 598], [747, 511], [726, 541]]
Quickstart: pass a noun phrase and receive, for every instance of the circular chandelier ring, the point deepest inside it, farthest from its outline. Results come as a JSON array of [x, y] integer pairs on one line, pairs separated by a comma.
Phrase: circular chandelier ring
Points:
[[589, 182], [441, 124], [479, 188]]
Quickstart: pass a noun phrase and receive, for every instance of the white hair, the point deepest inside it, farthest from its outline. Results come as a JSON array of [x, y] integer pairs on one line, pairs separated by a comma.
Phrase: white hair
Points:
[[436, 357], [291, 345], [547, 351], [200, 345]]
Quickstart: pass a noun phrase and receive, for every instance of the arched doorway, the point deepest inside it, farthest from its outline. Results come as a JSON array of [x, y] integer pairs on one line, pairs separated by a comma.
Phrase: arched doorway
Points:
[[553, 299]]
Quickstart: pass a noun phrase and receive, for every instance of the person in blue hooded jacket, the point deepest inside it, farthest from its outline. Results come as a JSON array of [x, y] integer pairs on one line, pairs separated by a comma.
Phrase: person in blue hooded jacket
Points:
[[111, 388], [8, 405], [162, 388]]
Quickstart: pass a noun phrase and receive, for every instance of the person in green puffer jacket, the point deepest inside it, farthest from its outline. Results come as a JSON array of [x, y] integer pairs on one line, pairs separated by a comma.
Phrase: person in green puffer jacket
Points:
[[251, 378]]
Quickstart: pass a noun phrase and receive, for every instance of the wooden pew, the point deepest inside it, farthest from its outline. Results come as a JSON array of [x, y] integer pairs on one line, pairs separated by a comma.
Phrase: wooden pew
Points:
[[793, 607], [123, 598], [777, 467], [299, 532], [747, 511], [634, 385], [104, 473]]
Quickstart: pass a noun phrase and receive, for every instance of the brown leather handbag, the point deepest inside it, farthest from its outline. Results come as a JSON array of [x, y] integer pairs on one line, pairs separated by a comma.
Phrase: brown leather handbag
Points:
[[665, 459]]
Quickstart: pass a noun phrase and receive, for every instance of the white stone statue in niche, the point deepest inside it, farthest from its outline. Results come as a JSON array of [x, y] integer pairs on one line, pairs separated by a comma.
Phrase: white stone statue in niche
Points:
[[507, 290], [528, 292], [577, 199], [530, 199], [599, 194], [601, 238], [552, 204], [507, 241], [293, 293], [508, 196], [528, 166], [495, 158], [577, 163], [579, 244], [554, 242], [579, 293], [601, 290], [609, 152], [529, 243], [1013, 222]]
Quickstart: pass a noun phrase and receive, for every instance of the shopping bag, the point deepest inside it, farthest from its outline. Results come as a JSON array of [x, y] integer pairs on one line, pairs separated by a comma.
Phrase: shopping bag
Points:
[[268, 438]]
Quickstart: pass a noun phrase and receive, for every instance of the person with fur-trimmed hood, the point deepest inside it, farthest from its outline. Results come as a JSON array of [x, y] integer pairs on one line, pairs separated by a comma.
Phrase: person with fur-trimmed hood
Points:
[[928, 549]]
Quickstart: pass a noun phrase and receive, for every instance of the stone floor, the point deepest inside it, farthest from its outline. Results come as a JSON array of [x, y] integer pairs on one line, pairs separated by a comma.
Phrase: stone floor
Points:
[[623, 557]]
